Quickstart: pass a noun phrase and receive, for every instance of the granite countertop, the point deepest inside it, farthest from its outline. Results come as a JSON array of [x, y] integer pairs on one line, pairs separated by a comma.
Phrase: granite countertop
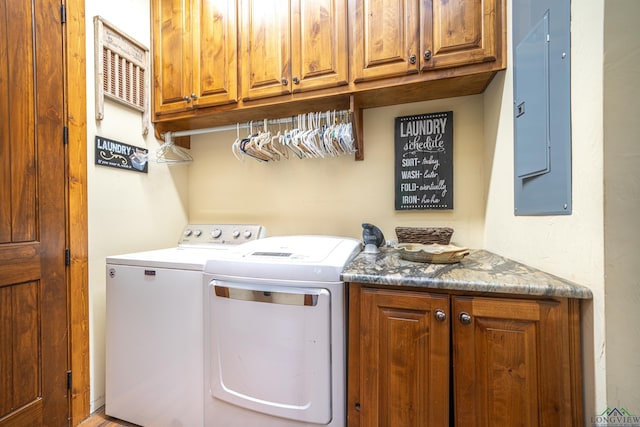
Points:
[[480, 271]]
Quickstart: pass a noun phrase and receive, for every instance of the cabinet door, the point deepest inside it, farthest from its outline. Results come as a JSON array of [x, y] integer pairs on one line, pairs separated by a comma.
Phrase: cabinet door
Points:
[[511, 362], [265, 48], [460, 32], [215, 77], [171, 55], [385, 38], [319, 53], [403, 355]]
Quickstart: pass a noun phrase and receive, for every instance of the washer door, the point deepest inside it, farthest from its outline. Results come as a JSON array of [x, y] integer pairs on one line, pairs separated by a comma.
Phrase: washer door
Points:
[[270, 349]]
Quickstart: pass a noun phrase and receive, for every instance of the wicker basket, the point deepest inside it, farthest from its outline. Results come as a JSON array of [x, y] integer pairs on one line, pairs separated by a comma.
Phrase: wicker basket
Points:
[[424, 235]]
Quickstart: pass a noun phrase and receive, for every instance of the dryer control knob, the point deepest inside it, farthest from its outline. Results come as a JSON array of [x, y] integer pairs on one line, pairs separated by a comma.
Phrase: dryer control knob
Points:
[[187, 232], [216, 232], [197, 233], [236, 234], [247, 234]]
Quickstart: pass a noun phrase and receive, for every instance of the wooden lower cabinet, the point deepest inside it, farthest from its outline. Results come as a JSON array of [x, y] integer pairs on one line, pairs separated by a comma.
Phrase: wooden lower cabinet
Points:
[[421, 359], [403, 354]]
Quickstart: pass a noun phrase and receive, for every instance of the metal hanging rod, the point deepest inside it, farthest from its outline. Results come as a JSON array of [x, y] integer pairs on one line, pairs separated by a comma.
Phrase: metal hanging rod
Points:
[[169, 135], [203, 131]]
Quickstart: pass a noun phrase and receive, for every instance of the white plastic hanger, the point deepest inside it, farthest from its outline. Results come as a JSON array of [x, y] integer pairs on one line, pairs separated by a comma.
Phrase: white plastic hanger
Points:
[[170, 153]]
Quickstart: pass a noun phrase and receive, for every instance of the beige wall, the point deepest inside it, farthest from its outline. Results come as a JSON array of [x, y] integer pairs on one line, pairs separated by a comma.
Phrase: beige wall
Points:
[[128, 211], [622, 201], [336, 195], [568, 246]]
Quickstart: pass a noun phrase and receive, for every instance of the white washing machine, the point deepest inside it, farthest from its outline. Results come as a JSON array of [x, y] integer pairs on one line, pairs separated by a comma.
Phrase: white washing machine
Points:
[[275, 333], [154, 327]]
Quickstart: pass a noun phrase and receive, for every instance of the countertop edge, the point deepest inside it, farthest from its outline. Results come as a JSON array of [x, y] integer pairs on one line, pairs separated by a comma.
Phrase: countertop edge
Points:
[[503, 288], [481, 271]]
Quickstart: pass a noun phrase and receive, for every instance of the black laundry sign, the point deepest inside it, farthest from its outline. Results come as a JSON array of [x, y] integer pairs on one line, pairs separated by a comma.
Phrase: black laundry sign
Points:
[[424, 161], [120, 155]]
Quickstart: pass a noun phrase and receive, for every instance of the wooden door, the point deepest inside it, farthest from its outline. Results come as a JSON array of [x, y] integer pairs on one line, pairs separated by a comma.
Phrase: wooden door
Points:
[[33, 291], [460, 32], [385, 38], [512, 363], [172, 55], [215, 69], [320, 52], [401, 356], [265, 48]]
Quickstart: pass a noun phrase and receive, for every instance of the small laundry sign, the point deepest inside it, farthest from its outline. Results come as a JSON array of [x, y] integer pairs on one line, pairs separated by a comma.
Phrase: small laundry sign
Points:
[[120, 155]]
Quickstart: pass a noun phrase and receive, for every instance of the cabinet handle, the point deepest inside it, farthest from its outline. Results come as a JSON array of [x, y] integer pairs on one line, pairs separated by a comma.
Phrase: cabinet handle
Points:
[[413, 59], [357, 406], [465, 318], [427, 55], [187, 98], [296, 80], [285, 82], [194, 96], [440, 315]]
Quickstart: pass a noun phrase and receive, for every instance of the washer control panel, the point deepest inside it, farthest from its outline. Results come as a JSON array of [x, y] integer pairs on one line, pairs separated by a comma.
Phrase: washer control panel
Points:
[[220, 234]]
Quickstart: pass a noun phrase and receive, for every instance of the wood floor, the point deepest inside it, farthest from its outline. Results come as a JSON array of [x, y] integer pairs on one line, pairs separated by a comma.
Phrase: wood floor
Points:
[[99, 419]]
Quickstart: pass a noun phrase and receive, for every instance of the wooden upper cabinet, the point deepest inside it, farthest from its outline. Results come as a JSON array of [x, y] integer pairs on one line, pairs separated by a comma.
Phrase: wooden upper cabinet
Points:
[[460, 32], [265, 48], [319, 44], [215, 80], [171, 55], [394, 38], [238, 57], [288, 47], [512, 363], [194, 54], [385, 38]]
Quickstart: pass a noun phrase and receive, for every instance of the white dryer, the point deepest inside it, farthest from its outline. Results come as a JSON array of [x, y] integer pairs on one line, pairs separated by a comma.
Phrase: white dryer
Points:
[[275, 333], [154, 327]]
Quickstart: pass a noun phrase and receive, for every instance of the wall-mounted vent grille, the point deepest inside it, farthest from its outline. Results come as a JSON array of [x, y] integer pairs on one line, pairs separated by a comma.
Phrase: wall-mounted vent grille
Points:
[[123, 80], [121, 70]]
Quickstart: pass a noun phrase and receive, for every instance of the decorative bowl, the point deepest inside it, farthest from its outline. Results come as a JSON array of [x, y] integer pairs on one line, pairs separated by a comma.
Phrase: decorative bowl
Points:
[[435, 254]]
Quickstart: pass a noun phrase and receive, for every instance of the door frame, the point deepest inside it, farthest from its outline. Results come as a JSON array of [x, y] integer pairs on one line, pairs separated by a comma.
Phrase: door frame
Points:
[[77, 209]]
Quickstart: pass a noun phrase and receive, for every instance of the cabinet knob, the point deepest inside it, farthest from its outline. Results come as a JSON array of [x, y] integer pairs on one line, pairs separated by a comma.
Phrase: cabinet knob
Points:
[[427, 55], [187, 98], [194, 96], [413, 59], [357, 406], [465, 318], [440, 315], [285, 82], [296, 80]]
